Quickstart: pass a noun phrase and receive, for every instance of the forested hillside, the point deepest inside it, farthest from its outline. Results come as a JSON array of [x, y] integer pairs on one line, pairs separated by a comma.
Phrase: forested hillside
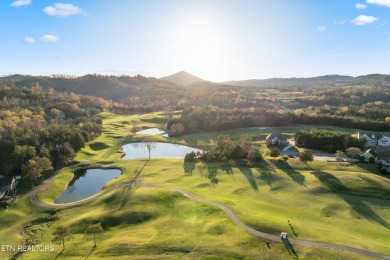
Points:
[[41, 129]]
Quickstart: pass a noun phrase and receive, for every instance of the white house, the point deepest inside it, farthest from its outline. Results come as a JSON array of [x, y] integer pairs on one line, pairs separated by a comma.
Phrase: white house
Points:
[[384, 141], [374, 139], [386, 164]]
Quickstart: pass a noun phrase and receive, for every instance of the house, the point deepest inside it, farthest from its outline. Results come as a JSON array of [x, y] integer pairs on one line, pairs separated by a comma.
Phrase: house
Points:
[[386, 164], [371, 137], [370, 153], [7, 186], [276, 139], [384, 141], [374, 139]]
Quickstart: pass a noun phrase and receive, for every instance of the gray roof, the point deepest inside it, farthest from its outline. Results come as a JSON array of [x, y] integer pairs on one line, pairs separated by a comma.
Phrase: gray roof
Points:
[[377, 136], [5, 181], [372, 152], [278, 135]]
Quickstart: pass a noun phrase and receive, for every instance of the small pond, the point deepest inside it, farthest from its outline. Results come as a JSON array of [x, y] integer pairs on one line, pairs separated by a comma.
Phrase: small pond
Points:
[[87, 183], [159, 150], [150, 131]]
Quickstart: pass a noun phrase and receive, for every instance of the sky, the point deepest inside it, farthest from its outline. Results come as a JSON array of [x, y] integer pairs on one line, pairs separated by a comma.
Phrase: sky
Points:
[[217, 40]]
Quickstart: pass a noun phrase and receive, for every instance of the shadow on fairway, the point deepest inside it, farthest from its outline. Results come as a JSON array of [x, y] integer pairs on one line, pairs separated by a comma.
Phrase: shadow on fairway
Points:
[[60, 253], [290, 248], [356, 204], [293, 174], [93, 248], [247, 172]]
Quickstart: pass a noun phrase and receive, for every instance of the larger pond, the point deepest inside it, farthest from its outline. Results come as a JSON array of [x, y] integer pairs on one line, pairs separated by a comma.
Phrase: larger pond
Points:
[[158, 150], [87, 183]]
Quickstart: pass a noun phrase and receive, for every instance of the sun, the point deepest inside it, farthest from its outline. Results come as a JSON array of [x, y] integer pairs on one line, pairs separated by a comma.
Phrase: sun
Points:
[[200, 47]]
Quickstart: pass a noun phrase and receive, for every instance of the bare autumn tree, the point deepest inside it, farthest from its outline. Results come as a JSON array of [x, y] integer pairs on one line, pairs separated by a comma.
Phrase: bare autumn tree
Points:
[[60, 235], [94, 229], [150, 144]]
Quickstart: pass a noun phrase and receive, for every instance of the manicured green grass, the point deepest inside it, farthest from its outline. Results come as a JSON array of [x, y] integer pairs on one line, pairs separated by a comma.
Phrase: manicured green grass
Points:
[[151, 223], [328, 202]]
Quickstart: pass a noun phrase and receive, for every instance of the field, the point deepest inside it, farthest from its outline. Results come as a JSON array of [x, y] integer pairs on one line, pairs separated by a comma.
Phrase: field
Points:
[[327, 202]]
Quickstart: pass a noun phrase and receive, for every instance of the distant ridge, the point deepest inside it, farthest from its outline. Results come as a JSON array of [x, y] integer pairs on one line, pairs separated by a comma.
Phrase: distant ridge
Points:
[[182, 78], [327, 80]]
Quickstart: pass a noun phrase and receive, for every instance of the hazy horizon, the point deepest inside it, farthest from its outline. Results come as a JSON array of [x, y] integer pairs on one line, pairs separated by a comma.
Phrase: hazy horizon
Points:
[[213, 40]]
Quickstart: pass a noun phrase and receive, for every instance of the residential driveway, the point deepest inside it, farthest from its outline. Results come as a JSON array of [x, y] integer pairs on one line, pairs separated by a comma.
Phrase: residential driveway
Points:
[[318, 155]]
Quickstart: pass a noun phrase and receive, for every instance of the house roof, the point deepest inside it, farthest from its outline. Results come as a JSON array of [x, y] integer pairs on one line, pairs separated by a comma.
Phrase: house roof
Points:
[[5, 181], [385, 137], [277, 135], [372, 152], [371, 135]]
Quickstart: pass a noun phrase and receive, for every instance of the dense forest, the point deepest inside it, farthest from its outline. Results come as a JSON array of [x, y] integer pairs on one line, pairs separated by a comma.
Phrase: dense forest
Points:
[[41, 129]]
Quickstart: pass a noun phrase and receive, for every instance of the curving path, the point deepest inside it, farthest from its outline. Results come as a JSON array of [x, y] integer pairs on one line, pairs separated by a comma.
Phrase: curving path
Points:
[[34, 199]]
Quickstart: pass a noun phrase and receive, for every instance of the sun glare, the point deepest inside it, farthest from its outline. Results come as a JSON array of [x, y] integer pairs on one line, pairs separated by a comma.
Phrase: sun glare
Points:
[[199, 46]]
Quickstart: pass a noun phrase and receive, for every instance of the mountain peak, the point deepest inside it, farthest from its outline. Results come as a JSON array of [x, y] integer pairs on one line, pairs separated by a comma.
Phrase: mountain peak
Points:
[[182, 78]]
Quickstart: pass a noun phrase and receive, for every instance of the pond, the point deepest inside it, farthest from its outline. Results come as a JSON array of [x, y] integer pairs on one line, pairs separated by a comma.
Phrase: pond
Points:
[[159, 150], [87, 183], [150, 131]]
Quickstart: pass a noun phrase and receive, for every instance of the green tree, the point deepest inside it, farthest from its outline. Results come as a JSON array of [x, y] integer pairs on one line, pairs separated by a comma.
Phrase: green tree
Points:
[[34, 168], [274, 152], [254, 155], [340, 155], [352, 151], [285, 158], [61, 234], [306, 156], [93, 230], [371, 160]]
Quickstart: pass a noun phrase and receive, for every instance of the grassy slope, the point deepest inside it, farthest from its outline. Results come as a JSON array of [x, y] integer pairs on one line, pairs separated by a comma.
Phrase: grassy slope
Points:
[[147, 222]]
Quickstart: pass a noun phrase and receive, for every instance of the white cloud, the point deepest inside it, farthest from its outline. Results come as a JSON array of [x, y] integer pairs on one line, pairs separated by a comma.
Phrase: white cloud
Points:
[[63, 10], [340, 22], [50, 38], [321, 28], [363, 20], [360, 6], [29, 40], [20, 3], [379, 2]]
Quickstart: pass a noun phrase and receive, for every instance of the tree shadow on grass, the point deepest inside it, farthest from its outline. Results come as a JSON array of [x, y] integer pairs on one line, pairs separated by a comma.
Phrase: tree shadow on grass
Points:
[[60, 253], [358, 206], [290, 248], [210, 170], [247, 172], [293, 174], [268, 175], [93, 248]]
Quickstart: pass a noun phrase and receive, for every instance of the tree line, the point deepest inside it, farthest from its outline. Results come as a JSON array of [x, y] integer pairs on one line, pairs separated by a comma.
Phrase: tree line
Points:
[[212, 118], [327, 141]]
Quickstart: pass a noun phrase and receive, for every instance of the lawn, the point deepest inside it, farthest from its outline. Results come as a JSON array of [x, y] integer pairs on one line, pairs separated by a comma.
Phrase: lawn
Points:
[[325, 202]]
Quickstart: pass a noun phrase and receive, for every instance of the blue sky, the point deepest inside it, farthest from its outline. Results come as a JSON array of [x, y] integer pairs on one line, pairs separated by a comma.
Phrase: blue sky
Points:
[[217, 40]]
